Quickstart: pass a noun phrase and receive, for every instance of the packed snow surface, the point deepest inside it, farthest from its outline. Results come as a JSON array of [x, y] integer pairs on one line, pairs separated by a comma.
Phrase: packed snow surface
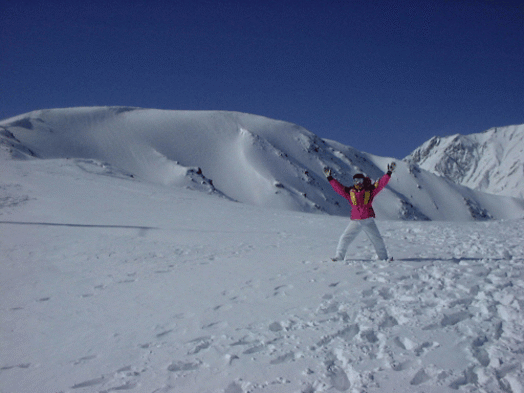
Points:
[[109, 283]]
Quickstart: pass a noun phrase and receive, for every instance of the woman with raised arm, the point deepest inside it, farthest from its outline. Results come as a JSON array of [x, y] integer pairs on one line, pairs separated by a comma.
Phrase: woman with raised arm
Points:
[[360, 196]]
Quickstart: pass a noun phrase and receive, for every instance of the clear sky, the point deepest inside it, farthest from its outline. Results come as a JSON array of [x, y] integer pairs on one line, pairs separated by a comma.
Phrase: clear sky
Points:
[[382, 76]]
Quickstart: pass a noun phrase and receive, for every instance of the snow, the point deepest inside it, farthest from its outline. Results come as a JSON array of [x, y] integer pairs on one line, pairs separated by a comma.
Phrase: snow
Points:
[[247, 158], [116, 283], [490, 161]]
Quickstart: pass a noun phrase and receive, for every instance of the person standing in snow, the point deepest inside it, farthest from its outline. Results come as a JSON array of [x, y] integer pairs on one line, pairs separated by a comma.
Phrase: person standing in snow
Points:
[[360, 196]]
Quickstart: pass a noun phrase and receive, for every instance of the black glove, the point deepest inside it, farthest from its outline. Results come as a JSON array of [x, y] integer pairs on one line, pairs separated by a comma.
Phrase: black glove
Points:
[[391, 168]]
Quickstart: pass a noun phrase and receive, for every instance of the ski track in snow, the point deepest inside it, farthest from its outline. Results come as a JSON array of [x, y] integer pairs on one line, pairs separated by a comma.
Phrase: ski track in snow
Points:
[[206, 295]]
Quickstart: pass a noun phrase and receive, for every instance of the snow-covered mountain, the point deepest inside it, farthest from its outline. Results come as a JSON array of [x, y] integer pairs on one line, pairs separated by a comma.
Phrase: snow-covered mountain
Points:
[[243, 157], [492, 161], [111, 280]]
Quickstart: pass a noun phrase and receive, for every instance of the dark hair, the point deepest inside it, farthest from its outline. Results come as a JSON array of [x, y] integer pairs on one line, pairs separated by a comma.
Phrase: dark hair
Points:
[[368, 185]]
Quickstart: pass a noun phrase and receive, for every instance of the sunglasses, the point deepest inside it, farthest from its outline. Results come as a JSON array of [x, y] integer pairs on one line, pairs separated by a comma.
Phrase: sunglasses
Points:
[[358, 180]]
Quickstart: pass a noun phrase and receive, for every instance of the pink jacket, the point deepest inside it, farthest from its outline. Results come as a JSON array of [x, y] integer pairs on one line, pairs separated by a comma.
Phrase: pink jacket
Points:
[[360, 200]]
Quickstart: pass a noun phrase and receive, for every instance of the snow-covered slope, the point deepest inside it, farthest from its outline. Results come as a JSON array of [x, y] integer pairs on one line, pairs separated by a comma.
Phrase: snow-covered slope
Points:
[[109, 284], [246, 158], [492, 161]]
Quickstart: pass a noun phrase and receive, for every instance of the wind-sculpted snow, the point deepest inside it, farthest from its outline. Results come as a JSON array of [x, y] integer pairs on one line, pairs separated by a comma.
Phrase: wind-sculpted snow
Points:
[[246, 158], [110, 284], [492, 161]]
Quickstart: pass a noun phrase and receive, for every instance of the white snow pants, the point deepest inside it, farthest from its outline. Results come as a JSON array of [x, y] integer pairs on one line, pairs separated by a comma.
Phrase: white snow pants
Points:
[[353, 229]]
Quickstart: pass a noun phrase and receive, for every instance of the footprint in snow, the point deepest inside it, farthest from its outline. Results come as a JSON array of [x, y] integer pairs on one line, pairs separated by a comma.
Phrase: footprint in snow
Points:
[[281, 290], [22, 365], [84, 359], [338, 378], [255, 349], [233, 388], [420, 377], [199, 344], [179, 366], [287, 357], [89, 383]]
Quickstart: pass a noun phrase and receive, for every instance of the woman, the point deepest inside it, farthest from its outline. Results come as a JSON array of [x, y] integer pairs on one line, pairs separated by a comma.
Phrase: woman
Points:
[[360, 196]]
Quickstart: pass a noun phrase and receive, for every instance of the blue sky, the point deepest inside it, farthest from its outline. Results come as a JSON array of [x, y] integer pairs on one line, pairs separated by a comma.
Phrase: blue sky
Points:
[[382, 76]]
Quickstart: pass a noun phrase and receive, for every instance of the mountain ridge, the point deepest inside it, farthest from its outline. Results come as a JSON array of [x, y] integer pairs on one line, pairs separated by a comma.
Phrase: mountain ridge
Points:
[[243, 157], [491, 161]]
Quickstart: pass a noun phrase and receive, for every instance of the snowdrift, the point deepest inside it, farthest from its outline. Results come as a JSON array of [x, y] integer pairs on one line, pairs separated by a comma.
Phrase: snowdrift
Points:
[[242, 157]]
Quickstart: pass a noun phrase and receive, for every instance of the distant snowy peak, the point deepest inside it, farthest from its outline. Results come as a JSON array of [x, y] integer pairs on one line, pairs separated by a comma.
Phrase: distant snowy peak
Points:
[[492, 161]]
